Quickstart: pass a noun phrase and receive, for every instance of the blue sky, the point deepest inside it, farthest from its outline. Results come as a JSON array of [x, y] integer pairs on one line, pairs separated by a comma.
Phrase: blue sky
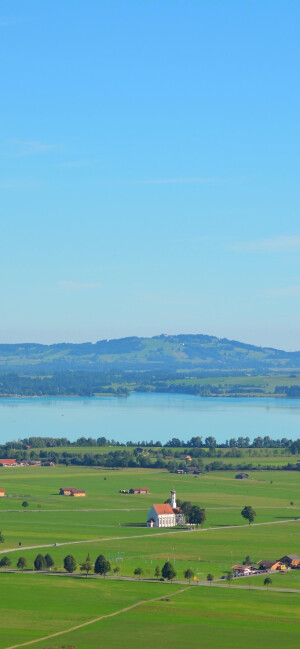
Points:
[[149, 169]]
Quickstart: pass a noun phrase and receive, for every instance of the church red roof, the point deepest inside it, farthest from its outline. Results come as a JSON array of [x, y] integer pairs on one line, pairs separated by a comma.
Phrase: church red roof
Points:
[[163, 509]]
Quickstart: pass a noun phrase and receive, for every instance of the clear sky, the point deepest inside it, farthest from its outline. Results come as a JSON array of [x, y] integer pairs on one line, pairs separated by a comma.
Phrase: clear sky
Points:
[[149, 169]]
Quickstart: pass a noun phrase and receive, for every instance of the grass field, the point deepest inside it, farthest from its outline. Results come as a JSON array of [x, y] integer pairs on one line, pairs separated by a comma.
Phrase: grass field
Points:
[[113, 524], [196, 616]]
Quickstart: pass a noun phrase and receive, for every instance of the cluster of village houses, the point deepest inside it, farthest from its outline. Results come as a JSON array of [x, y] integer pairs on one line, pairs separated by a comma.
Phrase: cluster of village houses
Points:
[[13, 462], [281, 565]]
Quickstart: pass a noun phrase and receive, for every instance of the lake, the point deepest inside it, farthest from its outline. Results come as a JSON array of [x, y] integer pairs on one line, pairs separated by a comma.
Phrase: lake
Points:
[[148, 417]]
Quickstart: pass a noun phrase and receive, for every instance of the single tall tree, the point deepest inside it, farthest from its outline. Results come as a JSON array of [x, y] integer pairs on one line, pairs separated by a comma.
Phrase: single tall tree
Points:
[[138, 572], [2, 538], [197, 515], [102, 565], [25, 504], [86, 566], [248, 513], [210, 578], [188, 574], [267, 582], [39, 562], [168, 571], [157, 572], [21, 563], [49, 561], [70, 563], [5, 562]]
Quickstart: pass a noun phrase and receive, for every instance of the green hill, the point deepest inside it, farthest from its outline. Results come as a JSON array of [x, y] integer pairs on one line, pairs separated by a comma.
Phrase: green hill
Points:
[[166, 353]]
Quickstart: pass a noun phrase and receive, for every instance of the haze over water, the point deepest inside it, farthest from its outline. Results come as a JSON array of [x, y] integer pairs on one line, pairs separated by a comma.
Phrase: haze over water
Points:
[[148, 417]]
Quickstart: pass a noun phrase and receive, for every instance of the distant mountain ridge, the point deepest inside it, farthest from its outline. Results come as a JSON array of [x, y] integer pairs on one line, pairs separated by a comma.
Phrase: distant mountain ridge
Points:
[[192, 352]]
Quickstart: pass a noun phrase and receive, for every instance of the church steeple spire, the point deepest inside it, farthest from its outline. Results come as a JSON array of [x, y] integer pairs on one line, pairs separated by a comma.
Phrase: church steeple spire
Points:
[[173, 499]]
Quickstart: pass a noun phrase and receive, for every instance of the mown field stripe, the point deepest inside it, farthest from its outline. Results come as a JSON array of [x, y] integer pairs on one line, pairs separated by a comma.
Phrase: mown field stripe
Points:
[[140, 536], [96, 619]]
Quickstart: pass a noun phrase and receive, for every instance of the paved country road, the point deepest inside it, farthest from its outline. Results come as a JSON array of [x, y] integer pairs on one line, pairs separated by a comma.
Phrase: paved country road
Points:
[[140, 536]]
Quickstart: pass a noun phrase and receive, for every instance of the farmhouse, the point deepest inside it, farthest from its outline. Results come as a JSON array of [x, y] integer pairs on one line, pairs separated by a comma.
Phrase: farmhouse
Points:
[[241, 570], [166, 515], [272, 565], [2, 493], [72, 491], [291, 560], [8, 463], [186, 457], [138, 490], [242, 476]]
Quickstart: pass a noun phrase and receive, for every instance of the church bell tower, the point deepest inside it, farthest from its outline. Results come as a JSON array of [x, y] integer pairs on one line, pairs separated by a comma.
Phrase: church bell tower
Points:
[[173, 499]]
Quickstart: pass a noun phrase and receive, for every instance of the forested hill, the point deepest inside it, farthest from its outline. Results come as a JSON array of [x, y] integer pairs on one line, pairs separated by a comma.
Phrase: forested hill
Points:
[[167, 353]]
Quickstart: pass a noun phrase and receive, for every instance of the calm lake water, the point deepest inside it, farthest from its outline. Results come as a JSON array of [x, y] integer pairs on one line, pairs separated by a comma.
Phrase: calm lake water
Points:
[[149, 416]]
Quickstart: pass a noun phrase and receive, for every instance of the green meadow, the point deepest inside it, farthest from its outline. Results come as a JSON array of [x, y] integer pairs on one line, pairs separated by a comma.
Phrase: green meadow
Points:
[[197, 616], [111, 523]]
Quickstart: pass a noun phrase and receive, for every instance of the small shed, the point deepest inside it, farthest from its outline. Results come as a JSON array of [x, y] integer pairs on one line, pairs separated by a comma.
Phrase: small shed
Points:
[[139, 490], [71, 491], [242, 476]]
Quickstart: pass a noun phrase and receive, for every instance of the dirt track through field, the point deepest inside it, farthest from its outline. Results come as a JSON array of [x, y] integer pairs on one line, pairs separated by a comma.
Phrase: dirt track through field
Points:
[[96, 619]]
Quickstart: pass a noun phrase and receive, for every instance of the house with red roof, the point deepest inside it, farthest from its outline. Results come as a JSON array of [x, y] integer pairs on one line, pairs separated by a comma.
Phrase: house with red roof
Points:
[[8, 462]]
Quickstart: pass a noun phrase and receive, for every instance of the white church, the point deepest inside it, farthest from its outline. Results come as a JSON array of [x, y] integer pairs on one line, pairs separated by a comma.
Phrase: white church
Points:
[[166, 515]]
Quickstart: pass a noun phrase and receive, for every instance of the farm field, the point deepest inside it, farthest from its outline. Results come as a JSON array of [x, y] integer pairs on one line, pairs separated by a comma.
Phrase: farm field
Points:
[[181, 618], [111, 523]]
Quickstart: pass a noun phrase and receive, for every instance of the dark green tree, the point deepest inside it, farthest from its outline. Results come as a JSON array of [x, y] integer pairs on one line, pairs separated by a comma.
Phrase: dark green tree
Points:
[[2, 538], [188, 574], [187, 508], [70, 563], [138, 572], [39, 562], [197, 515], [267, 582], [248, 513], [25, 504], [157, 572], [5, 562], [168, 571], [49, 561], [102, 565], [21, 563], [210, 578]]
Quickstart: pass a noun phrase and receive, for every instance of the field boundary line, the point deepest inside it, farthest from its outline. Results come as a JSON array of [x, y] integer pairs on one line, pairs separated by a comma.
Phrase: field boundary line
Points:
[[97, 619]]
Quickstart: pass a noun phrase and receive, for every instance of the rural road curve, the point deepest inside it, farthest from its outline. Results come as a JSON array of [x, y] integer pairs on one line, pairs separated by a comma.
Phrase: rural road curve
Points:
[[96, 619], [140, 536]]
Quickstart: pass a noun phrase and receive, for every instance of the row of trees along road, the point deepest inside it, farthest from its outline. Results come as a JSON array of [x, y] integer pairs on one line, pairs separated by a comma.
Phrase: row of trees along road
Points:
[[102, 566]]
